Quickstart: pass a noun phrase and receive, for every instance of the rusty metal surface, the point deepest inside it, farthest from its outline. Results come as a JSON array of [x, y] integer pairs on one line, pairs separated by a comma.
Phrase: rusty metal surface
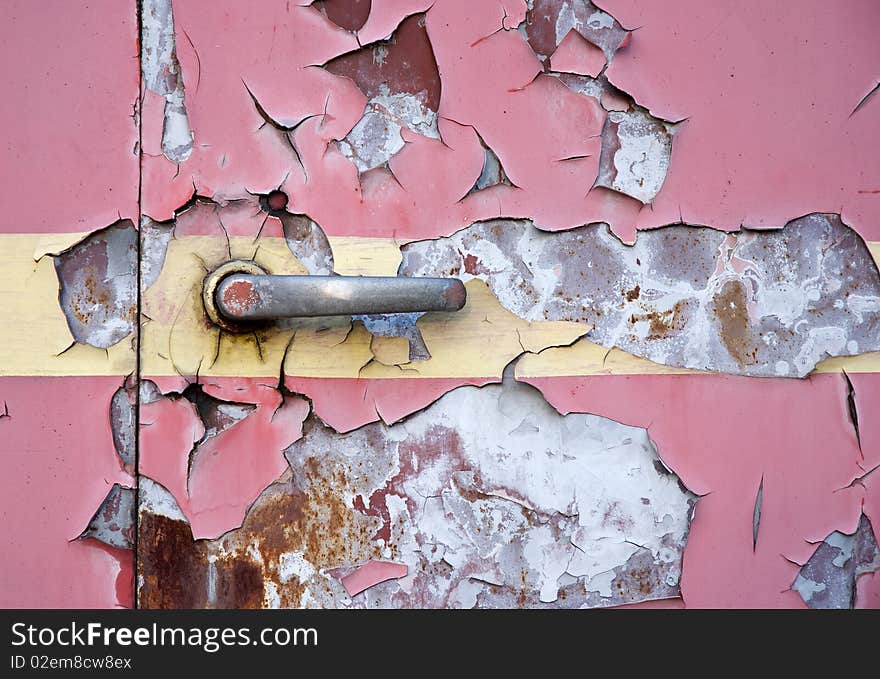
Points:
[[489, 498], [614, 182], [763, 303]]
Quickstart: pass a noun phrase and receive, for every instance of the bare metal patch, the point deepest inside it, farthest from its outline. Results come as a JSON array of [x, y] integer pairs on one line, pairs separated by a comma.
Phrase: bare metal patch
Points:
[[828, 579], [308, 243], [155, 237], [636, 150], [97, 285], [489, 497], [493, 173], [398, 325], [162, 75], [400, 79], [762, 303], [123, 422]]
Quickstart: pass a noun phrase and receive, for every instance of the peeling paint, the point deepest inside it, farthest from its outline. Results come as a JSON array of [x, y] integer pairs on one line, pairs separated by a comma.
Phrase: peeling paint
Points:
[[493, 173], [161, 74], [501, 510], [746, 83], [761, 303], [379, 122], [828, 579], [348, 14], [636, 150], [398, 325], [98, 289], [371, 574], [548, 22], [308, 243], [123, 422], [220, 433], [154, 239], [756, 514]]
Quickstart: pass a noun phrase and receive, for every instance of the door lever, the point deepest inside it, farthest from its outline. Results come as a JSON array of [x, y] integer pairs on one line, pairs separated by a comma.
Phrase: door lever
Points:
[[240, 294]]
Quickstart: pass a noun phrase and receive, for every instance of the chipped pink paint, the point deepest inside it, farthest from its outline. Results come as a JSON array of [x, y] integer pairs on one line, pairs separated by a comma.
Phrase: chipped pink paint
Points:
[[372, 573], [866, 389], [766, 97], [771, 131], [230, 469], [722, 435], [70, 89], [768, 93], [553, 165], [348, 403], [576, 55]]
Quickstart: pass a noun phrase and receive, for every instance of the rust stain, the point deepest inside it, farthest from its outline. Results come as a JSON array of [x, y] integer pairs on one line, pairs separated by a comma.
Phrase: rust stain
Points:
[[307, 517], [730, 308], [239, 583], [661, 324], [240, 297], [632, 295], [404, 63], [172, 567]]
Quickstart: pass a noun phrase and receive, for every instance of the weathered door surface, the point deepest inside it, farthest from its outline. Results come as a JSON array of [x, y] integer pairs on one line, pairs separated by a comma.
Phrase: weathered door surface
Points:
[[662, 389]]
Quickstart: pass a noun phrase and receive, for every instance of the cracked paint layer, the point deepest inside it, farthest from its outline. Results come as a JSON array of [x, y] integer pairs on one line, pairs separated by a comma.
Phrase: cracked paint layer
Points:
[[549, 22], [98, 285], [762, 143], [459, 501], [325, 358], [160, 71], [829, 578], [542, 127], [59, 465], [795, 435], [218, 433], [761, 303], [403, 103], [400, 80]]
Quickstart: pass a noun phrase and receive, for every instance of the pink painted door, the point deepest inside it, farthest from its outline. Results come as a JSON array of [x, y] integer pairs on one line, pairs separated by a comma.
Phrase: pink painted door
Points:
[[661, 390]]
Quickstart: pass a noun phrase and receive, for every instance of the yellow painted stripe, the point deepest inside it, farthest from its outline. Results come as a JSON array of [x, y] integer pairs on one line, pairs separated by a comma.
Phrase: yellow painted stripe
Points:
[[33, 330], [177, 338], [587, 358], [356, 256], [477, 341]]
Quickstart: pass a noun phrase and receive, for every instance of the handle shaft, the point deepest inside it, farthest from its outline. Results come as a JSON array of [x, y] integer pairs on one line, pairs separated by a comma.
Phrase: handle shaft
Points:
[[248, 298]]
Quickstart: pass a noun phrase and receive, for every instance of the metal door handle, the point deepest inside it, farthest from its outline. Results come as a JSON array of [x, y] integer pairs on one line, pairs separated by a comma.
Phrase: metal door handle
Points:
[[240, 293]]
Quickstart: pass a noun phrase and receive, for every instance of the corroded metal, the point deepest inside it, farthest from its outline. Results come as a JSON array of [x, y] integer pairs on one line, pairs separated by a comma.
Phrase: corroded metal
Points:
[[212, 282]]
